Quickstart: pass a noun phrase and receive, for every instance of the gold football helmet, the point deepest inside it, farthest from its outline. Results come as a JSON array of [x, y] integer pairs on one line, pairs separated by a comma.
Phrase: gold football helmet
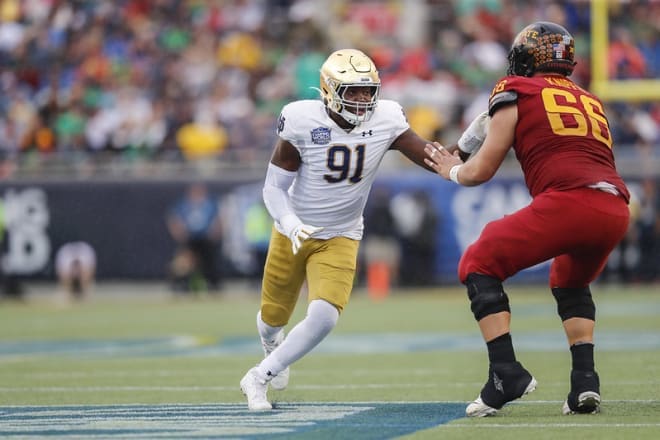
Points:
[[342, 70]]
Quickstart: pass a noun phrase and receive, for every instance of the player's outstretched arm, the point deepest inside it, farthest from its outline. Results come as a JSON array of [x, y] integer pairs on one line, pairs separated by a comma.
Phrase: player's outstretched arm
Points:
[[411, 145], [486, 161]]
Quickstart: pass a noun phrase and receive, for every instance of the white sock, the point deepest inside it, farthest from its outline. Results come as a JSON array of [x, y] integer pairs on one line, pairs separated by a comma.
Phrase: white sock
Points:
[[267, 333], [320, 320]]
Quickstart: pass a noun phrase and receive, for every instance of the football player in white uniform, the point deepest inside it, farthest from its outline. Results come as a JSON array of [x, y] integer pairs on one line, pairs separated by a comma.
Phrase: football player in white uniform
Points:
[[316, 187]]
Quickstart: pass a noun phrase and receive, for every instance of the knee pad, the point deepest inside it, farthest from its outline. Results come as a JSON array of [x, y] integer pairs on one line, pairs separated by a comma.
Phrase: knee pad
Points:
[[574, 303], [486, 295]]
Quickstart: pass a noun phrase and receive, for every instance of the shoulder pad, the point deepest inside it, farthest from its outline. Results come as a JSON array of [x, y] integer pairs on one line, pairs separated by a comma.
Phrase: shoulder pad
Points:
[[501, 99]]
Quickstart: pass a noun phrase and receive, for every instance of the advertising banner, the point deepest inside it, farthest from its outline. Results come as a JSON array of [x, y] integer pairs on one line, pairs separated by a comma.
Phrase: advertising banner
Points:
[[125, 223]]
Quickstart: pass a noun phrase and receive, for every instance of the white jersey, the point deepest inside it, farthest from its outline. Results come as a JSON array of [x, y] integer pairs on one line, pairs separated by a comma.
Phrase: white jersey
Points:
[[338, 168]]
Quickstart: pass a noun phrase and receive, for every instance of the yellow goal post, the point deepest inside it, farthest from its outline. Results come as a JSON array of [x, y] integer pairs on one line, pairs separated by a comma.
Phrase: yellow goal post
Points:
[[631, 90]]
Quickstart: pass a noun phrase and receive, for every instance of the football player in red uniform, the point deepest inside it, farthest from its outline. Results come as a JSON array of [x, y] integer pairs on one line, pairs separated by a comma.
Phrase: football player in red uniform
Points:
[[578, 214]]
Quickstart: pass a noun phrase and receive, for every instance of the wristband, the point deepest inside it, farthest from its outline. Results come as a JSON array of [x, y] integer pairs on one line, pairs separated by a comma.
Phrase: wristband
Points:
[[453, 173]]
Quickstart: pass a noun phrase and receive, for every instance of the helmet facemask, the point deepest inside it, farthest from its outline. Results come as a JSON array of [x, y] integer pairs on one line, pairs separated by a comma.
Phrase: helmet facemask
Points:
[[354, 112], [521, 63]]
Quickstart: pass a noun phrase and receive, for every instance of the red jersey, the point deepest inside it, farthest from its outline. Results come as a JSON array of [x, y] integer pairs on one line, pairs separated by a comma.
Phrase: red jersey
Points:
[[562, 138]]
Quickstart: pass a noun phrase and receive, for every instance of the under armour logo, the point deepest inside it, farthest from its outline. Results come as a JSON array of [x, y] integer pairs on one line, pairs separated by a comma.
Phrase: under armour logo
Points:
[[498, 383], [370, 132]]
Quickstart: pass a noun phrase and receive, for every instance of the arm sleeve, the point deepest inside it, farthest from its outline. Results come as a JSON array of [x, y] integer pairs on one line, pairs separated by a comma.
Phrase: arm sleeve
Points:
[[276, 197]]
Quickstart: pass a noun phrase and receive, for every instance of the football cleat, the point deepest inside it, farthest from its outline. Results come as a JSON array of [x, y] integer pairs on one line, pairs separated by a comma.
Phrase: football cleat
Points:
[[584, 397], [506, 382], [255, 388], [281, 381]]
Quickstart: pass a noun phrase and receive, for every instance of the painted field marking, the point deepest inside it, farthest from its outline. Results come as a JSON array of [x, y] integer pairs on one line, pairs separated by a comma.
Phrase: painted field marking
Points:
[[369, 420], [318, 420]]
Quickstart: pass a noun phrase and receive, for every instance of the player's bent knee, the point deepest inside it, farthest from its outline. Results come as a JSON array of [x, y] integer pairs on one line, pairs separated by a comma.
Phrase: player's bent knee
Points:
[[574, 303], [324, 314], [486, 295]]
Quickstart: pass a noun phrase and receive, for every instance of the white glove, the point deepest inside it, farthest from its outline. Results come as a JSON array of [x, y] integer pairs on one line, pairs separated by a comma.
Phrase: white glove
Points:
[[297, 231], [475, 134]]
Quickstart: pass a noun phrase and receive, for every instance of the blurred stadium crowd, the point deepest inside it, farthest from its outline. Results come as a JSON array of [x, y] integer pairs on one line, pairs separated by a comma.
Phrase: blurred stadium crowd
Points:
[[140, 87]]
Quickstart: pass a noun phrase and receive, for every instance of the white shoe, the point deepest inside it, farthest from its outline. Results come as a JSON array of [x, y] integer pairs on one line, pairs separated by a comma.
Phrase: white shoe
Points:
[[281, 381], [255, 389], [479, 409]]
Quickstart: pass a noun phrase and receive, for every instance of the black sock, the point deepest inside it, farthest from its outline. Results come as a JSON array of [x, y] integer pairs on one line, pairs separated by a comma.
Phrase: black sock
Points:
[[582, 355], [500, 349]]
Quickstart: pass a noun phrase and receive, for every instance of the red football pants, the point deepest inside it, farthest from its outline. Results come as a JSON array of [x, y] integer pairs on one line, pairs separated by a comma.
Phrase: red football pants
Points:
[[578, 228]]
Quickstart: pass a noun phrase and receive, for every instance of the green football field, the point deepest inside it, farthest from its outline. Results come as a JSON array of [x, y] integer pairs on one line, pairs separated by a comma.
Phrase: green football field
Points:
[[128, 365]]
